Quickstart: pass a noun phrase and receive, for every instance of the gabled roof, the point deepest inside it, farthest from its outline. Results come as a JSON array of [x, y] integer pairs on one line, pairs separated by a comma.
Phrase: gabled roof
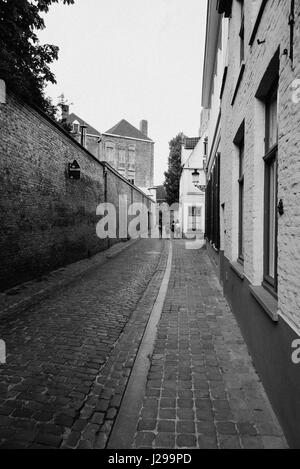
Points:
[[125, 129], [90, 130]]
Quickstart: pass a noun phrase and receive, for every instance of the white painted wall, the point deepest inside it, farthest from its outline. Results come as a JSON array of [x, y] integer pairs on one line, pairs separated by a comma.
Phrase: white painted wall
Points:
[[189, 194]]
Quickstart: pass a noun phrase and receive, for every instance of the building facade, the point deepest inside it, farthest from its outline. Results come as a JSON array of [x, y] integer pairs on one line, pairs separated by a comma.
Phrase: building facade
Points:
[[192, 187], [131, 152], [83, 133], [127, 149], [251, 94]]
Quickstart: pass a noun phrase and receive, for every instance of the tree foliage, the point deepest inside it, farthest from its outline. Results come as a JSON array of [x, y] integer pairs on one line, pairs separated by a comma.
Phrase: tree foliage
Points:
[[24, 62], [172, 176]]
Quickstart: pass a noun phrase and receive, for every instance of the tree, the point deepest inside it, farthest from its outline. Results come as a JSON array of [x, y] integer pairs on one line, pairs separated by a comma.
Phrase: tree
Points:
[[172, 176], [24, 62]]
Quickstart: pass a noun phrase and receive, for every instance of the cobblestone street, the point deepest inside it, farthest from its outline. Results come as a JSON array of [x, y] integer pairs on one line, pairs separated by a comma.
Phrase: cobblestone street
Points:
[[69, 360]]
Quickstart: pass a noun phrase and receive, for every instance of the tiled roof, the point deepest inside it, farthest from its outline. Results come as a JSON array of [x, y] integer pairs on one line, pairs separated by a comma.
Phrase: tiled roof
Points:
[[190, 143], [124, 129], [90, 130]]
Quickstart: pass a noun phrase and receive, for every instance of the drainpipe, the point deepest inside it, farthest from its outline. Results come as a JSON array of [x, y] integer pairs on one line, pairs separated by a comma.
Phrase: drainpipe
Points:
[[105, 182], [105, 194], [292, 25]]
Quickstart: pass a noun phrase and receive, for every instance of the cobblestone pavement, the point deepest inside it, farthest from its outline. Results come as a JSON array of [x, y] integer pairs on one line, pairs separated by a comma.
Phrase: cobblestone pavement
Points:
[[69, 357], [202, 389]]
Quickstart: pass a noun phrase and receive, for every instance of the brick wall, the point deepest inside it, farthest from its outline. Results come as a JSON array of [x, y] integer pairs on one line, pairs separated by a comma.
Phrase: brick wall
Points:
[[274, 29], [46, 219], [144, 158]]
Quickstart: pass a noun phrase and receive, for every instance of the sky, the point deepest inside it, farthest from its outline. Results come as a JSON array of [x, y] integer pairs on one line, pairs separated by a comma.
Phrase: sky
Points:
[[133, 60]]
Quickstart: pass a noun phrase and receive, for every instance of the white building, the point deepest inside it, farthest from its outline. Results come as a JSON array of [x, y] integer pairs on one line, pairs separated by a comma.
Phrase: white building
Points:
[[192, 188], [251, 93]]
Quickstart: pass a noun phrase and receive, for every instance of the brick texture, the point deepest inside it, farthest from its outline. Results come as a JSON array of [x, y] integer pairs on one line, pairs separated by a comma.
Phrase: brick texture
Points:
[[274, 29], [144, 158], [46, 219]]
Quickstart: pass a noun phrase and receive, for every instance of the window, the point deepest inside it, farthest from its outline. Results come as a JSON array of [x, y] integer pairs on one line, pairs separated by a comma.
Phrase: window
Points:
[[270, 202], [122, 159], [131, 158], [110, 154], [239, 141], [212, 201], [241, 201], [76, 127], [205, 147], [242, 33], [194, 218], [205, 144]]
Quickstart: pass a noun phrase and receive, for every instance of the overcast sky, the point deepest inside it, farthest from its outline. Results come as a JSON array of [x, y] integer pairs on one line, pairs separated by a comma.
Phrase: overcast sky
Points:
[[133, 60]]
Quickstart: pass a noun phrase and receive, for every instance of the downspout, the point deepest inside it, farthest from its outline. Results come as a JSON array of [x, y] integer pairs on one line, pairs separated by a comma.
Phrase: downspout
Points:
[[105, 194], [292, 25]]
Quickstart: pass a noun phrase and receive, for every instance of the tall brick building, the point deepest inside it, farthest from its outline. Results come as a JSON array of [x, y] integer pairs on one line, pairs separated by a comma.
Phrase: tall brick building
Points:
[[127, 149], [251, 92], [130, 151]]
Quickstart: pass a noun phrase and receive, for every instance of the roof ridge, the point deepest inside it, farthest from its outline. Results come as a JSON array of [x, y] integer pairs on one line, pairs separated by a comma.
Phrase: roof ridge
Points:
[[125, 129]]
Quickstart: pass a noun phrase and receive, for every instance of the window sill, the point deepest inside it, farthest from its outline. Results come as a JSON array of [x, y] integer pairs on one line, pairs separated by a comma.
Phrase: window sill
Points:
[[237, 269], [242, 70], [266, 301]]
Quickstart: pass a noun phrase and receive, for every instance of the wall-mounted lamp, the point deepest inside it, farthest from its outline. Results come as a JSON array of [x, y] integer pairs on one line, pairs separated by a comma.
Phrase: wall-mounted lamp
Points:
[[74, 170], [196, 181]]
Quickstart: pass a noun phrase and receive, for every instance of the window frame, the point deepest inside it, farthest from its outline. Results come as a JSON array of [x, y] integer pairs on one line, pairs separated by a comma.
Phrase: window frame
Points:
[[131, 153], [212, 203], [270, 158], [122, 164], [241, 180], [242, 33], [110, 155]]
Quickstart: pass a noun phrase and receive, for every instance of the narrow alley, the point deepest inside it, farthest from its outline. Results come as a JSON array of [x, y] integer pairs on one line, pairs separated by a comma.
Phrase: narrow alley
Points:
[[72, 359]]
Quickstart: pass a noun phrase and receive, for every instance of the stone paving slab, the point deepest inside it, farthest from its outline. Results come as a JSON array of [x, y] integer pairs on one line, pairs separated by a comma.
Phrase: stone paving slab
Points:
[[202, 389]]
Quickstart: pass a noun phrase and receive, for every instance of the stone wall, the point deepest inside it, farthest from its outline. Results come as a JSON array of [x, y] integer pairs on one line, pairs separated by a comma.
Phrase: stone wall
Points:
[[46, 219]]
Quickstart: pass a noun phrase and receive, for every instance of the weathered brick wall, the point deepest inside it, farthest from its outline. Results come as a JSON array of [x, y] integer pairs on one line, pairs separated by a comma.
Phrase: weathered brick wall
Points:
[[274, 29], [46, 219]]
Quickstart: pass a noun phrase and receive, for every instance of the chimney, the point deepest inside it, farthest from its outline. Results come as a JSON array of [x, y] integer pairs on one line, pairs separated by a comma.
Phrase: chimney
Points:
[[83, 135], [144, 127], [64, 112]]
